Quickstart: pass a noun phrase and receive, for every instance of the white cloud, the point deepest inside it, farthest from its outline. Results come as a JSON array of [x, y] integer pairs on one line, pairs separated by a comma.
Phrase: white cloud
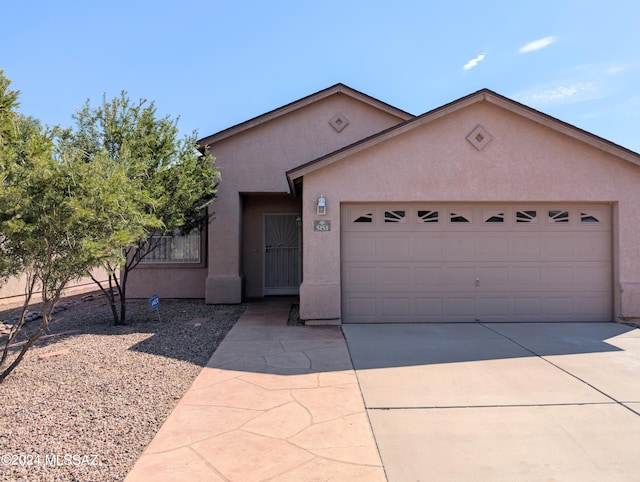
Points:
[[561, 94], [473, 62], [537, 45], [615, 69], [598, 69]]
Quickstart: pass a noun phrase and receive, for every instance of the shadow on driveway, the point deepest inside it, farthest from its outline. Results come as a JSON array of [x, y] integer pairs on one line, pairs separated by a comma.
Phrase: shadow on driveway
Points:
[[385, 345]]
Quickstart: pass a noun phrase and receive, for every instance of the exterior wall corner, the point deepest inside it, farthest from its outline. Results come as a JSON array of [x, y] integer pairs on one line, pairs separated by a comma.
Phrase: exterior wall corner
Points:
[[223, 290], [630, 300], [320, 303]]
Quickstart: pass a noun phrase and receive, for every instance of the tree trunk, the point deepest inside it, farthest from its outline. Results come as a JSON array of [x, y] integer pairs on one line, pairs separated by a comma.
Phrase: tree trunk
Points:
[[27, 345], [31, 283], [47, 310], [110, 296], [122, 287]]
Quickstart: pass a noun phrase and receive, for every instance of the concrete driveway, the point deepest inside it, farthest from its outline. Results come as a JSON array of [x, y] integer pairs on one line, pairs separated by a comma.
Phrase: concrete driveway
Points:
[[507, 401]]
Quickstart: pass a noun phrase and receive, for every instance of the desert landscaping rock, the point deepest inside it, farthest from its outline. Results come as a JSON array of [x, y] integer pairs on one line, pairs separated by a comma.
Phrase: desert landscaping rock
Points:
[[87, 413], [53, 353]]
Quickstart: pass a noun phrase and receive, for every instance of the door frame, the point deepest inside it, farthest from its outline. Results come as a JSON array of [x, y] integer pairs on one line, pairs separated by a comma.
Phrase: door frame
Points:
[[289, 290]]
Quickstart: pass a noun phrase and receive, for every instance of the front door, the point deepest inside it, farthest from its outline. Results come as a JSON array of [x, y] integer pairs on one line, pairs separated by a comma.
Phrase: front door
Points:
[[282, 266]]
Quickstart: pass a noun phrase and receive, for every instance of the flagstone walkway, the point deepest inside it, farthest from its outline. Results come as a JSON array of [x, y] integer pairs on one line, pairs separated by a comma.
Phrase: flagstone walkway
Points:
[[275, 402]]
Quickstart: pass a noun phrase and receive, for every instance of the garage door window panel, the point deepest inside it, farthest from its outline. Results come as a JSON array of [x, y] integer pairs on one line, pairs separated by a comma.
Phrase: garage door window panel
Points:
[[367, 218], [526, 216], [460, 216], [558, 216], [395, 217], [492, 216], [590, 217], [427, 217]]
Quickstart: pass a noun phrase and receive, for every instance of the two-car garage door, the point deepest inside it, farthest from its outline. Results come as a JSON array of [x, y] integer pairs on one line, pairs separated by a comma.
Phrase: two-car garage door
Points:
[[425, 262]]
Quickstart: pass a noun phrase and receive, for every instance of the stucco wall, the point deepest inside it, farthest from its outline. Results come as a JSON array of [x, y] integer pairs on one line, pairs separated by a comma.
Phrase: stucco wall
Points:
[[256, 160], [166, 282], [524, 161], [12, 290]]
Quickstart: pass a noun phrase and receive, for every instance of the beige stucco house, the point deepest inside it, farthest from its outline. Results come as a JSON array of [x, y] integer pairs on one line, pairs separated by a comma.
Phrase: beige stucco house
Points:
[[482, 209]]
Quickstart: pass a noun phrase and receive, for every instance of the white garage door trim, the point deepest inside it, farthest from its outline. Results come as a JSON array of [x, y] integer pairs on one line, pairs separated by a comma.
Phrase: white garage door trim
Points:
[[426, 262]]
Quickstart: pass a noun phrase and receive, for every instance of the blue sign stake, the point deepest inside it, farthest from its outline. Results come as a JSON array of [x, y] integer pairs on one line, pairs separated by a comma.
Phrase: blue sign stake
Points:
[[154, 304]]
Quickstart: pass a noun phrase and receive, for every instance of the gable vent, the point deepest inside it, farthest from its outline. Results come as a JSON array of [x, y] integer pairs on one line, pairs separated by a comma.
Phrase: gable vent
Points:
[[479, 137], [339, 122]]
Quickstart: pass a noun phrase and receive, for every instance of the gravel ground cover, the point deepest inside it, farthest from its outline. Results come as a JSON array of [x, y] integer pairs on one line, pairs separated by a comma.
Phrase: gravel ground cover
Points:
[[86, 401]]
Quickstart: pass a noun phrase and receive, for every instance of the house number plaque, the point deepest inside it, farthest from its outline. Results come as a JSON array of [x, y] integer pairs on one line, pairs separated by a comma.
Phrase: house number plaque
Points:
[[321, 225]]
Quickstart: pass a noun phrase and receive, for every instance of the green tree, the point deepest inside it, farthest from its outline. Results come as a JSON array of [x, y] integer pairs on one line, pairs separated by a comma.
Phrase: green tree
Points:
[[48, 232], [170, 183], [8, 136]]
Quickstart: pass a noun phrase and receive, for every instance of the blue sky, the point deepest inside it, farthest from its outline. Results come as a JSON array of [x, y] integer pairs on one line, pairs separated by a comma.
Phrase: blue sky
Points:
[[218, 63]]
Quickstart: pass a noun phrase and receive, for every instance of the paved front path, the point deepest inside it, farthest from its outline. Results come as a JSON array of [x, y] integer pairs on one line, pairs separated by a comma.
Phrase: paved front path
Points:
[[276, 403]]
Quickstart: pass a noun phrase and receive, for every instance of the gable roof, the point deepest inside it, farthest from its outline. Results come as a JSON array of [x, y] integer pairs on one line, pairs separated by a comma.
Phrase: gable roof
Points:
[[294, 176], [298, 104]]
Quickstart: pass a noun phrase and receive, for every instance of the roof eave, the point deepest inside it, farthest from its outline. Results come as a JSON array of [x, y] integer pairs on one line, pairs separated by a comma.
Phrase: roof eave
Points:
[[479, 96], [378, 137], [298, 104], [564, 127]]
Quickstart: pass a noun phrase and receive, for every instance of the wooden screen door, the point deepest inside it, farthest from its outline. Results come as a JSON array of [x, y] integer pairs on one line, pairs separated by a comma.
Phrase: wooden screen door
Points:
[[282, 261]]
